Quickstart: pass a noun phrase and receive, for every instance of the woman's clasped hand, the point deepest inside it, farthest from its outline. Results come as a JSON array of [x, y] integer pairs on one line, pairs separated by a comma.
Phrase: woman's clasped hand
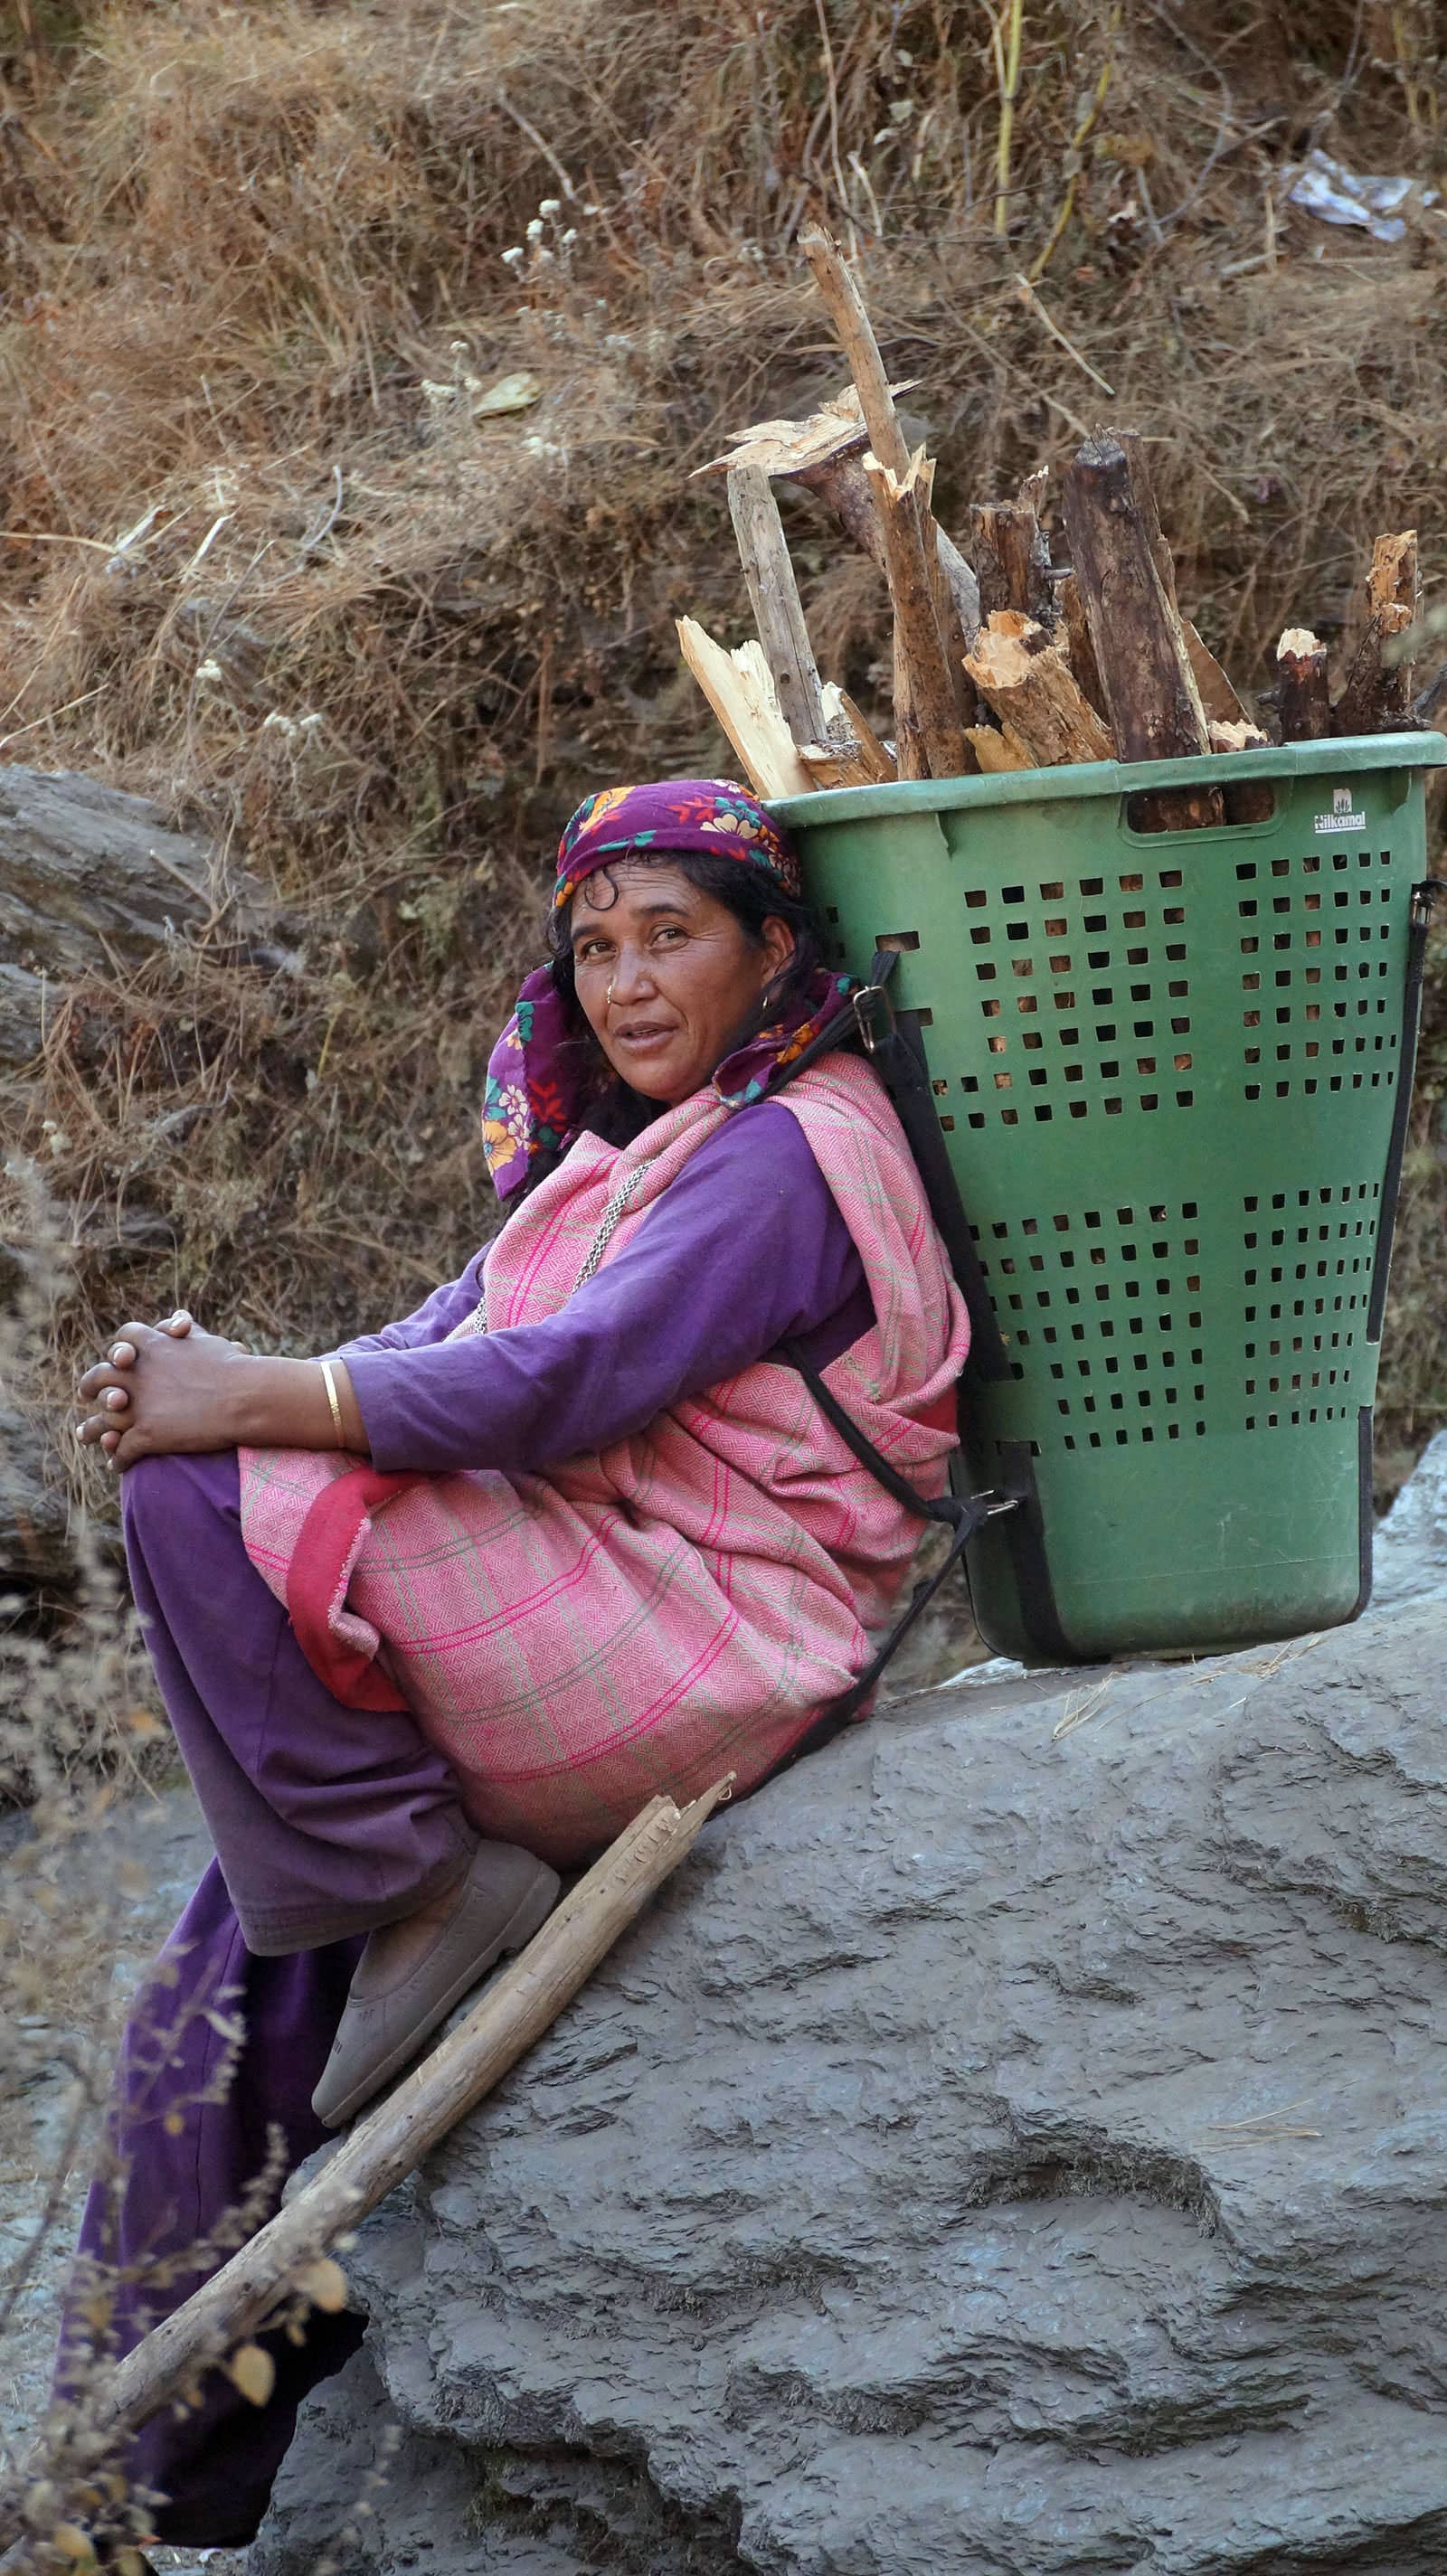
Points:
[[161, 1387]]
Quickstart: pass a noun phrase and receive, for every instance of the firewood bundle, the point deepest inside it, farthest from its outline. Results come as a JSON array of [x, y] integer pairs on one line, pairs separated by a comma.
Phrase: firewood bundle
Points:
[[1002, 658]]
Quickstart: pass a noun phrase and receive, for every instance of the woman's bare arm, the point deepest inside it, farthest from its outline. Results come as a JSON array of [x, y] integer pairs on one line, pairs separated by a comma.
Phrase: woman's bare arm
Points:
[[162, 1389]]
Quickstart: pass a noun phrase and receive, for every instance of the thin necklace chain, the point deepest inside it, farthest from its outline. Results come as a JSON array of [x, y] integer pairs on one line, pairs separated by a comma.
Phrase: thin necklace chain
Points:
[[613, 1215]]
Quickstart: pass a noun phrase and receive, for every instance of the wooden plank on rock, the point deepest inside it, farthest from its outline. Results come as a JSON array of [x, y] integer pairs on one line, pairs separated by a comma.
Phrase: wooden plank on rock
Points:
[[517, 2005]]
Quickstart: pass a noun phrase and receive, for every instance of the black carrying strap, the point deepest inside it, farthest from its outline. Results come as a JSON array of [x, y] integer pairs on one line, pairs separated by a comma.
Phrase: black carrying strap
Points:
[[1424, 897], [961, 1516], [867, 1017]]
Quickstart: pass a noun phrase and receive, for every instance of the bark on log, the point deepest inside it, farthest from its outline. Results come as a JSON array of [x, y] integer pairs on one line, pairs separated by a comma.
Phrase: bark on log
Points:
[[929, 737], [1030, 687], [1153, 703], [740, 689], [823, 454], [851, 753], [517, 2007], [845, 306], [1303, 700], [843, 486], [1012, 559], [1133, 448], [1079, 648], [1377, 697], [774, 595]]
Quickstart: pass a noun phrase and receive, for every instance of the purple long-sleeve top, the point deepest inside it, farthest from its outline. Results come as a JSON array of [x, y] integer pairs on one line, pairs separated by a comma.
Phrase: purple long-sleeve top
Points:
[[744, 1250]]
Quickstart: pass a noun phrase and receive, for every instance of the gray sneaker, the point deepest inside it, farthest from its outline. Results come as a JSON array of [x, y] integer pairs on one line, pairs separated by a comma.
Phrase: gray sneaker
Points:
[[501, 1902]]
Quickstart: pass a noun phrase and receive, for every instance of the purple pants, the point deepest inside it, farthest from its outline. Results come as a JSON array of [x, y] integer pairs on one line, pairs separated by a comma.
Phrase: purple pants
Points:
[[327, 1821]]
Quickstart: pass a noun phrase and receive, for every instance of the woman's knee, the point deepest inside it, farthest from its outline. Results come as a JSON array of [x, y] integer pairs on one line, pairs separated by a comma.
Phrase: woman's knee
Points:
[[166, 1500]]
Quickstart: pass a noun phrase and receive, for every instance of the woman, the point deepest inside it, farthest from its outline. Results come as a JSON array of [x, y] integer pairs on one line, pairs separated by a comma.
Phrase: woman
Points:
[[434, 1616]]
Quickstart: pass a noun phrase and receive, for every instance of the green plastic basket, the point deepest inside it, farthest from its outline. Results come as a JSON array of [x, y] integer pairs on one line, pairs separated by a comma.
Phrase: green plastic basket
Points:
[[1172, 1073]]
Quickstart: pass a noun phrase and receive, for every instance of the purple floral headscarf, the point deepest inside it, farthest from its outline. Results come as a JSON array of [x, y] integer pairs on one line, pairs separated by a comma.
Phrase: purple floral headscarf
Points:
[[534, 1100]]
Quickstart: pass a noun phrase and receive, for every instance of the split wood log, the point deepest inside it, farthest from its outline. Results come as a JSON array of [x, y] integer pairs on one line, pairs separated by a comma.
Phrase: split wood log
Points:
[[845, 306], [911, 543], [774, 596], [1012, 559], [1377, 697], [843, 486], [1218, 696], [997, 752], [1303, 700], [1247, 800], [824, 455], [929, 737], [1143, 491], [740, 689], [795, 447], [1151, 696], [851, 754], [517, 2007], [1078, 646], [1028, 683]]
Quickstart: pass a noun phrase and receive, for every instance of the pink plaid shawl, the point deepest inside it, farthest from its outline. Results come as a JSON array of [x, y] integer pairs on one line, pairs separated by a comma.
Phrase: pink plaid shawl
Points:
[[681, 1604]]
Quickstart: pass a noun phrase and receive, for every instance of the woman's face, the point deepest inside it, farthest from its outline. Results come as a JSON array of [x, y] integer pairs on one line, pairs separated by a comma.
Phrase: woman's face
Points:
[[666, 975]]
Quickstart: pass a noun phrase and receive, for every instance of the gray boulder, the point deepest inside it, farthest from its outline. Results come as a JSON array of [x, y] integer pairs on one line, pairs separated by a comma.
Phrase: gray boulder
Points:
[[1409, 1555], [89, 874], [1016, 2142]]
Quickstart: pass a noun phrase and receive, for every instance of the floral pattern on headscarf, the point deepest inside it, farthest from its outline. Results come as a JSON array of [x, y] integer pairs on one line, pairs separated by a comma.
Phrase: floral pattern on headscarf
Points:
[[537, 1078], [710, 814]]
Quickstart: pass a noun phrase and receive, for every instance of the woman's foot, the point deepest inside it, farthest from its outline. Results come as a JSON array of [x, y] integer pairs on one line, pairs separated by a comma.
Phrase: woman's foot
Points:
[[412, 1973]]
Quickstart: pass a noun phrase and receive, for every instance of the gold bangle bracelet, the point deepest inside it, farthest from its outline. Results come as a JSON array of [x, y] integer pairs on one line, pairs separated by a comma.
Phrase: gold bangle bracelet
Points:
[[331, 1385]]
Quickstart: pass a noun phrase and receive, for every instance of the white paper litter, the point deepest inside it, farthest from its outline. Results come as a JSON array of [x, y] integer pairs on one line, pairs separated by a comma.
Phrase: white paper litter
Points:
[[1337, 196]]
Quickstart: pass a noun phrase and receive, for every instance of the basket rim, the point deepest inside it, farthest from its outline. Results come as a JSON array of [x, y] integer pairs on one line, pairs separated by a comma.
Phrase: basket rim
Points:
[[1096, 779]]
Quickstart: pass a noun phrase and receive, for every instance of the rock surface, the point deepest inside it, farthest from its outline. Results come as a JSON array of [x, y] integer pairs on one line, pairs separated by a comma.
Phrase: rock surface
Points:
[[1017, 2142], [87, 875], [1410, 1552]]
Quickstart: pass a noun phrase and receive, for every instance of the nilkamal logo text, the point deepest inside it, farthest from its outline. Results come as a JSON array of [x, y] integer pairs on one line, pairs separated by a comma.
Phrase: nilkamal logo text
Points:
[[1344, 816]]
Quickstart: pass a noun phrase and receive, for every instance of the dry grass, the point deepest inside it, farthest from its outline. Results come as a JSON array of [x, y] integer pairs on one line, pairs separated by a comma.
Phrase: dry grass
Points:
[[267, 558]]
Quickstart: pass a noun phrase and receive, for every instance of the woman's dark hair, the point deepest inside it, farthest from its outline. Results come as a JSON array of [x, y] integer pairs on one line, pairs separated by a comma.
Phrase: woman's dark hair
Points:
[[616, 1112]]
